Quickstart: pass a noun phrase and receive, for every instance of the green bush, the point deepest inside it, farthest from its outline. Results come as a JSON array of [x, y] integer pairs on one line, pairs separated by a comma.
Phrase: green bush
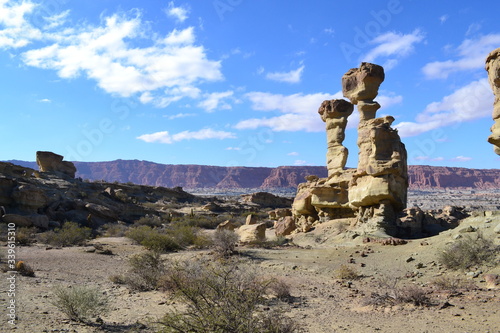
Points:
[[145, 271], [469, 251], [220, 298], [26, 236], [70, 234], [151, 221], [80, 303], [114, 230]]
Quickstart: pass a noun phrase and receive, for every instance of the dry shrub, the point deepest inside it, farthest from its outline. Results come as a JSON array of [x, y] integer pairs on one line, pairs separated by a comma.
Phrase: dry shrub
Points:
[[345, 272], [145, 271], [114, 230], [280, 289], [389, 292], [71, 234], [469, 251], [26, 236], [220, 298], [80, 303], [224, 243], [453, 285]]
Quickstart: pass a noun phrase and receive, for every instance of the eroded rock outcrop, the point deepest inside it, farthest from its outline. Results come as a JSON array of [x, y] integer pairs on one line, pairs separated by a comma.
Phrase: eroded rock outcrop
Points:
[[493, 69], [377, 190], [50, 162]]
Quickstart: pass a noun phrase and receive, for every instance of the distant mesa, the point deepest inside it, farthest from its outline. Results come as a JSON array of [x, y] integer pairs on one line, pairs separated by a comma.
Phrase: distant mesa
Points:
[[51, 162]]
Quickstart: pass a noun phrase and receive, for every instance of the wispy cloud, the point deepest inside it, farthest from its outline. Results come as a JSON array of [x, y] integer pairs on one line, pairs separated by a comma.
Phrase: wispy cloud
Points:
[[214, 101], [461, 159], [299, 111], [300, 162], [293, 76], [393, 46], [470, 102], [443, 18], [293, 153], [471, 56], [179, 115], [204, 134], [44, 100], [179, 13], [233, 148]]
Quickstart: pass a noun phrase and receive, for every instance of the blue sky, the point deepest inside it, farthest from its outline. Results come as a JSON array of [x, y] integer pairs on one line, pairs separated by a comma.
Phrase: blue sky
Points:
[[239, 82]]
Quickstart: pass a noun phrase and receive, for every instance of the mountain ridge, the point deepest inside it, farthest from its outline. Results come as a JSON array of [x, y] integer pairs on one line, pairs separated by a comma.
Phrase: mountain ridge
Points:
[[192, 176]]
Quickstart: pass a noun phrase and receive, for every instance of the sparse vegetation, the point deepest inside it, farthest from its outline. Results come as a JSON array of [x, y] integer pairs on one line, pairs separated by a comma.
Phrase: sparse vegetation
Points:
[[70, 234], [345, 272], [26, 236], [224, 243], [80, 303], [24, 269], [221, 298], [451, 284], [114, 230], [145, 271], [469, 251], [390, 292]]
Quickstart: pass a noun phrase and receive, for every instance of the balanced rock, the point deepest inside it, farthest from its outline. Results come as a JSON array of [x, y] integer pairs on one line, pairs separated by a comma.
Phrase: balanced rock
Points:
[[50, 162], [493, 69], [361, 84], [335, 113]]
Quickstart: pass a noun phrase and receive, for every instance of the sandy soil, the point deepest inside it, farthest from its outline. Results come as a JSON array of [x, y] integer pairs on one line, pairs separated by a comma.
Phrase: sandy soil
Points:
[[321, 302]]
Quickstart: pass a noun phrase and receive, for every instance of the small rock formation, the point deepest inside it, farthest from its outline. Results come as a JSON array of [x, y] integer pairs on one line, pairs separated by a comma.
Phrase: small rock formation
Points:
[[265, 199], [493, 69], [50, 162], [377, 190], [284, 226], [252, 233]]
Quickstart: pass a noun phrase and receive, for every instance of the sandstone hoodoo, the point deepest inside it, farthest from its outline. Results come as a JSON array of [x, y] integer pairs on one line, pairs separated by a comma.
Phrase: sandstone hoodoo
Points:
[[50, 162], [377, 190], [493, 69]]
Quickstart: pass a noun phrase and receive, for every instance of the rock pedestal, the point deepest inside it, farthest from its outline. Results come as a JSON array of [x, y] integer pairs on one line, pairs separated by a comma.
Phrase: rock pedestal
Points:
[[377, 189], [493, 69]]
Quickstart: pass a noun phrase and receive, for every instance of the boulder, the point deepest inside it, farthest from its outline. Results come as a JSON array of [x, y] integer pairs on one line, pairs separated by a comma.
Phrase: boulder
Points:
[[279, 213], [50, 162], [29, 198], [284, 226], [251, 219], [265, 199], [18, 220], [252, 233], [227, 225], [492, 281]]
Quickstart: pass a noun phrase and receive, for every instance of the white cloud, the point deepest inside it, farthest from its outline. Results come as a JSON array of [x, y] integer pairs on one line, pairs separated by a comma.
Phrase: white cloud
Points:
[[233, 148], [472, 54], [180, 115], [293, 153], [45, 100], [15, 29], [166, 71], [461, 159], [215, 101], [393, 46], [443, 18], [179, 13], [293, 76], [470, 102], [204, 134], [300, 162], [299, 111]]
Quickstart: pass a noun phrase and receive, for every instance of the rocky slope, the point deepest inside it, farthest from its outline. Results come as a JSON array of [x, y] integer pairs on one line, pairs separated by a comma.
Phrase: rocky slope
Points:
[[203, 176]]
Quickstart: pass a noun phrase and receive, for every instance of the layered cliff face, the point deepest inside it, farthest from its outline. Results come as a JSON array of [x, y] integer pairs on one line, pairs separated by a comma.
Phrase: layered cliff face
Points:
[[200, 176]]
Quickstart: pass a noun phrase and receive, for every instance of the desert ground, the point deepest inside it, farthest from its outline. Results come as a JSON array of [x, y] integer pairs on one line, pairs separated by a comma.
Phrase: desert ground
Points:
[[320, 302]]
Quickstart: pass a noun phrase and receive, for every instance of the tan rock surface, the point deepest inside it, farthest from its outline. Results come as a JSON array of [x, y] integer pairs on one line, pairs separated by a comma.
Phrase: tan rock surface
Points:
[[360, 84], [493, 69], [50, 162]]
